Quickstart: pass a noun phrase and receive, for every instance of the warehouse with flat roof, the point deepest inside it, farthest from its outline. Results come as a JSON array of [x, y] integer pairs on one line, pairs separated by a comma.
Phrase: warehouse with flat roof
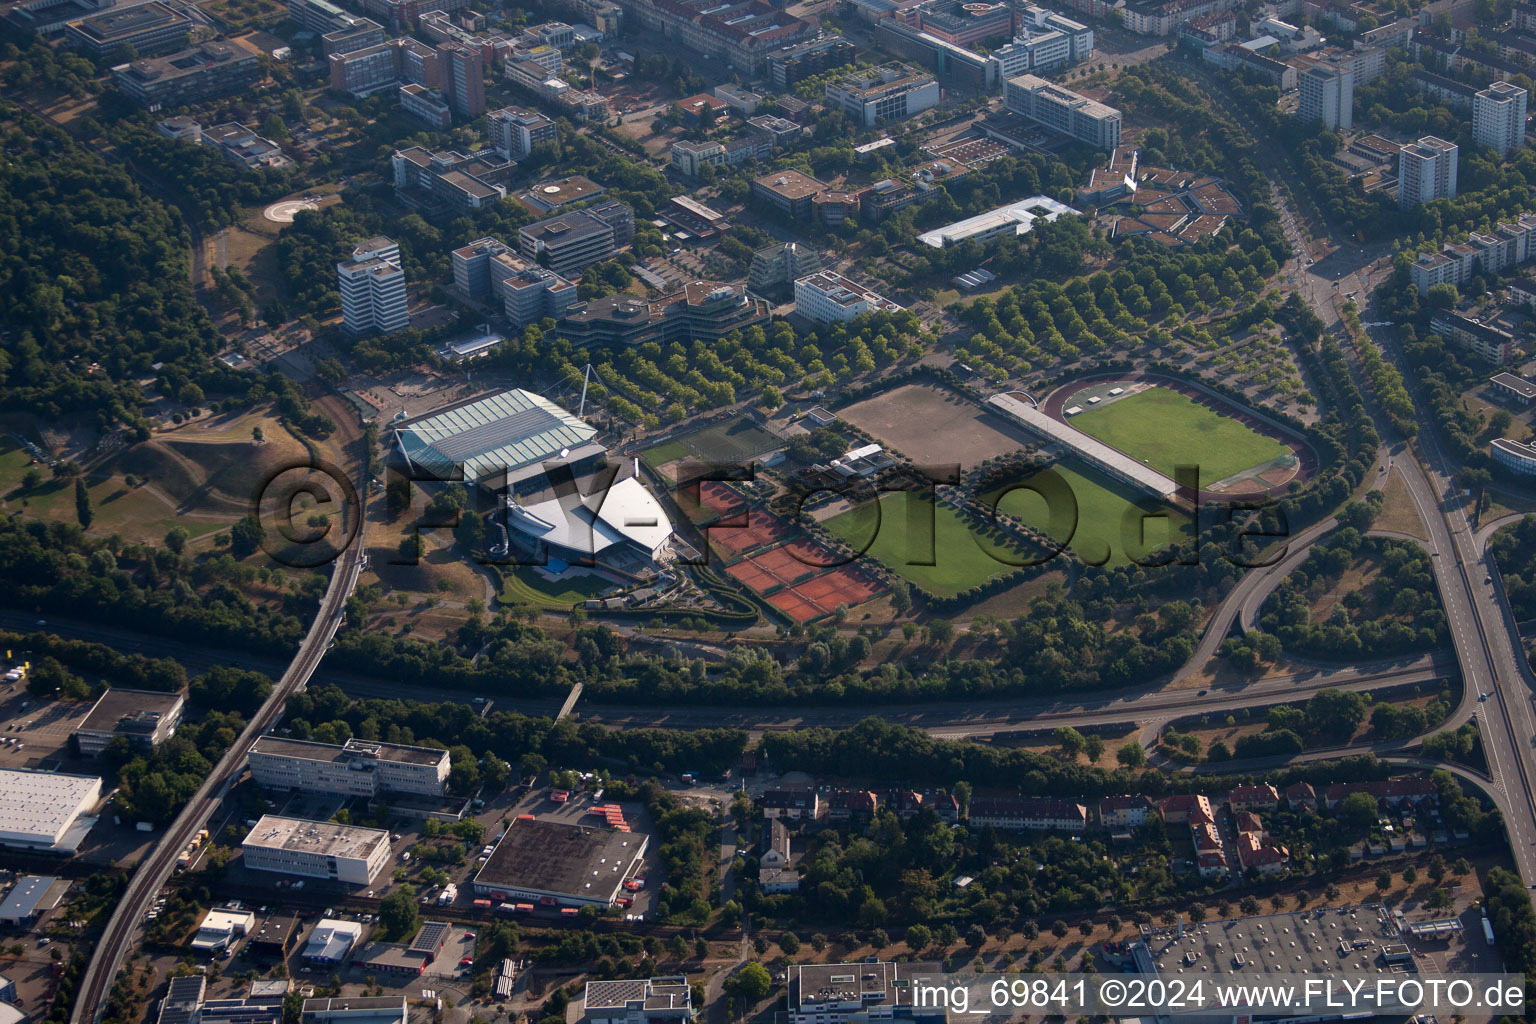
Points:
[[46, 811], [554, 863]]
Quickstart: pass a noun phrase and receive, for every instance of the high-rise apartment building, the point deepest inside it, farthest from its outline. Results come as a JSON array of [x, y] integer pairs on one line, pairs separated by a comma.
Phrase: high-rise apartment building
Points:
[[1327, 95], [372, 288], [1426, 170], [1498, 117]]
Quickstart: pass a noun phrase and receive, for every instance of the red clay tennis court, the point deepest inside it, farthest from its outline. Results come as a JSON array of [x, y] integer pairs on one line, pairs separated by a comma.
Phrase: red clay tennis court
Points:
[[753, 577], [790, 604], [761, 528]]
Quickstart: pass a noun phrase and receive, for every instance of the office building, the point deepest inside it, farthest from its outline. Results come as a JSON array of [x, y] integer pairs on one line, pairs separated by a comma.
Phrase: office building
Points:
[[427, 106], [514, 131], [887, 93], [356, 768], [556, 863], [370, 69], [796, 63], [144, 718], [1426, 171], [963, 23], [372, 286], [1327, 94], [550, 195], [571, 242], [528, 292], [463, 78], [775, 270], [1044, 41], [638, 1001], [449, 181], [740, 32], [1498, 117], [1514, 388], [689, 156], [788, 191], [700, 312], [472, 267], [147, 28], [204, 72], [352, 34], [316, 849], [46, 811], [832, 298], [861, 993], [1063, 110], [317, 16], [243, 147]]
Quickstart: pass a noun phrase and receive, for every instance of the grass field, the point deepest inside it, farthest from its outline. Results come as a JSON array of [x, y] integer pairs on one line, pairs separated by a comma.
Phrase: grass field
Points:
[[667, 451], [1101, 506], [960, 562], [962, 557], [1164, 428], [523, 585]]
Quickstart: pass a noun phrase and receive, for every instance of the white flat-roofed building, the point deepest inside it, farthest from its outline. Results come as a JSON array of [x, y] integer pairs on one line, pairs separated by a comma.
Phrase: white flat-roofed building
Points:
[[147, 718], [1115, 463], [331, 941], [1515, 456], [46, 810], [1044, 41], [859, 993], [317, 849], [638, 1001], [830, 297], [557, 863], [220, 928], [355, 1010], [1014, 219], [1514, 387], [356, 768], [1063, 110]]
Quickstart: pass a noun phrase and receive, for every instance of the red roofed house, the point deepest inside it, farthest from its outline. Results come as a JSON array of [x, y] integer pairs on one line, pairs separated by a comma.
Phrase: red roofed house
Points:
[[1264, 857], [1392, 792], [1301, 794], [1185, 809], [1125, 811]]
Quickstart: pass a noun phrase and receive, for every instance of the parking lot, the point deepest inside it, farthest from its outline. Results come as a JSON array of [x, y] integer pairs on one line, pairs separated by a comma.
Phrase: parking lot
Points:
[[34, 735]]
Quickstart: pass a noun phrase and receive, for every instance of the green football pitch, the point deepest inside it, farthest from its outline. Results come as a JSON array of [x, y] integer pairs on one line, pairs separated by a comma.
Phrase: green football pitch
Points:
[[1166, 429]]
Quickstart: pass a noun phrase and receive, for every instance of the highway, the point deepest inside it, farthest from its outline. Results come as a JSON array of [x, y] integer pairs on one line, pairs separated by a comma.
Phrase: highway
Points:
[[123, 928]]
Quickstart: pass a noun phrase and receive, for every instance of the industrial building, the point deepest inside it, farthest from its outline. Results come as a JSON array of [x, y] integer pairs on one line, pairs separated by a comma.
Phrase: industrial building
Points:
[[1498, 117], [571, 242], [372, 286], [148, 28], [220, 928], [145, 718], [495, 440], [274, 938], [204, 72], [46, 811], [1014, 219], [1426, 171], [317, 849], [355, 1010], [638, 1001], [887, 93], [557, 864], [367, 768], [832, 298], [331, 941], [30, 898], [1063, 110]]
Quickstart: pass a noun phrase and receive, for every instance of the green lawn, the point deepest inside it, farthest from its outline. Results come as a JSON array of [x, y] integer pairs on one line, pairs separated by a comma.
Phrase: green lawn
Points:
[[895, 540], [964, 559], [1164, 428], [667, 451], [524, 585], [1101, 509]]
